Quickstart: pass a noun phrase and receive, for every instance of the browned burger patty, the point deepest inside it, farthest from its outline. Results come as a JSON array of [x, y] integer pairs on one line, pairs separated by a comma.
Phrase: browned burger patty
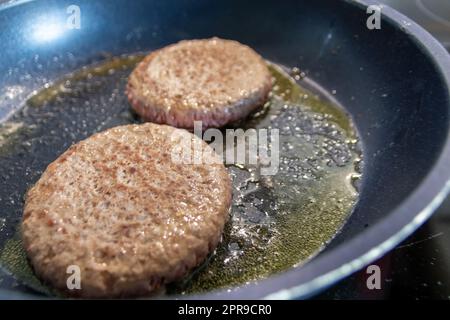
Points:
[[117, 206], [215, 81]]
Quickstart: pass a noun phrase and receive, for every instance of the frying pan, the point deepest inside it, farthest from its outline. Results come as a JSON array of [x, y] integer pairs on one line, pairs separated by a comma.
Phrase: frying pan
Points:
[[393, 81]]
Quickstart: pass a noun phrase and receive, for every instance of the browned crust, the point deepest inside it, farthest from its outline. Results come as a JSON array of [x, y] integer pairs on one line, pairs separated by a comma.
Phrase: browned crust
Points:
[[213, 112], [121, 250]]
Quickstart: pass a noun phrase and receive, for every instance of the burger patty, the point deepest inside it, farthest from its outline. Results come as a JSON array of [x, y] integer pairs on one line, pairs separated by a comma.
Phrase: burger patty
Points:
[[119, 207], [215, 81]]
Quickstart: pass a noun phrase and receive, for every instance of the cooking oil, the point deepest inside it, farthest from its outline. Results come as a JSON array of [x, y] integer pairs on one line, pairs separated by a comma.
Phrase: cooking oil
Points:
[[276, 222], [284, 220]]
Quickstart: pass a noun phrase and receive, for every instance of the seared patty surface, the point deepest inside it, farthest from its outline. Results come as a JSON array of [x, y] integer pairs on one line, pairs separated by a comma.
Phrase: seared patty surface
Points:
[[117, 206], [215, 81]]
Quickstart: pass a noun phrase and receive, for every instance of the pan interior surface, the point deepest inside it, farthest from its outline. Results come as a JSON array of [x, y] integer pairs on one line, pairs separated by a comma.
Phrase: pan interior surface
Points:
[[399, 105]]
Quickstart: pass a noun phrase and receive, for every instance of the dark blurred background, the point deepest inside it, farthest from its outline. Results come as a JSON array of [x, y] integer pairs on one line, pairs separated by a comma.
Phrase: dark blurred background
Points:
[[419, 268]]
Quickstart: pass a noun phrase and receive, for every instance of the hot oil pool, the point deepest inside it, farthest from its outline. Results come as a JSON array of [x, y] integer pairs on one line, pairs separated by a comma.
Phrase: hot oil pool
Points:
[[276, 221]]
